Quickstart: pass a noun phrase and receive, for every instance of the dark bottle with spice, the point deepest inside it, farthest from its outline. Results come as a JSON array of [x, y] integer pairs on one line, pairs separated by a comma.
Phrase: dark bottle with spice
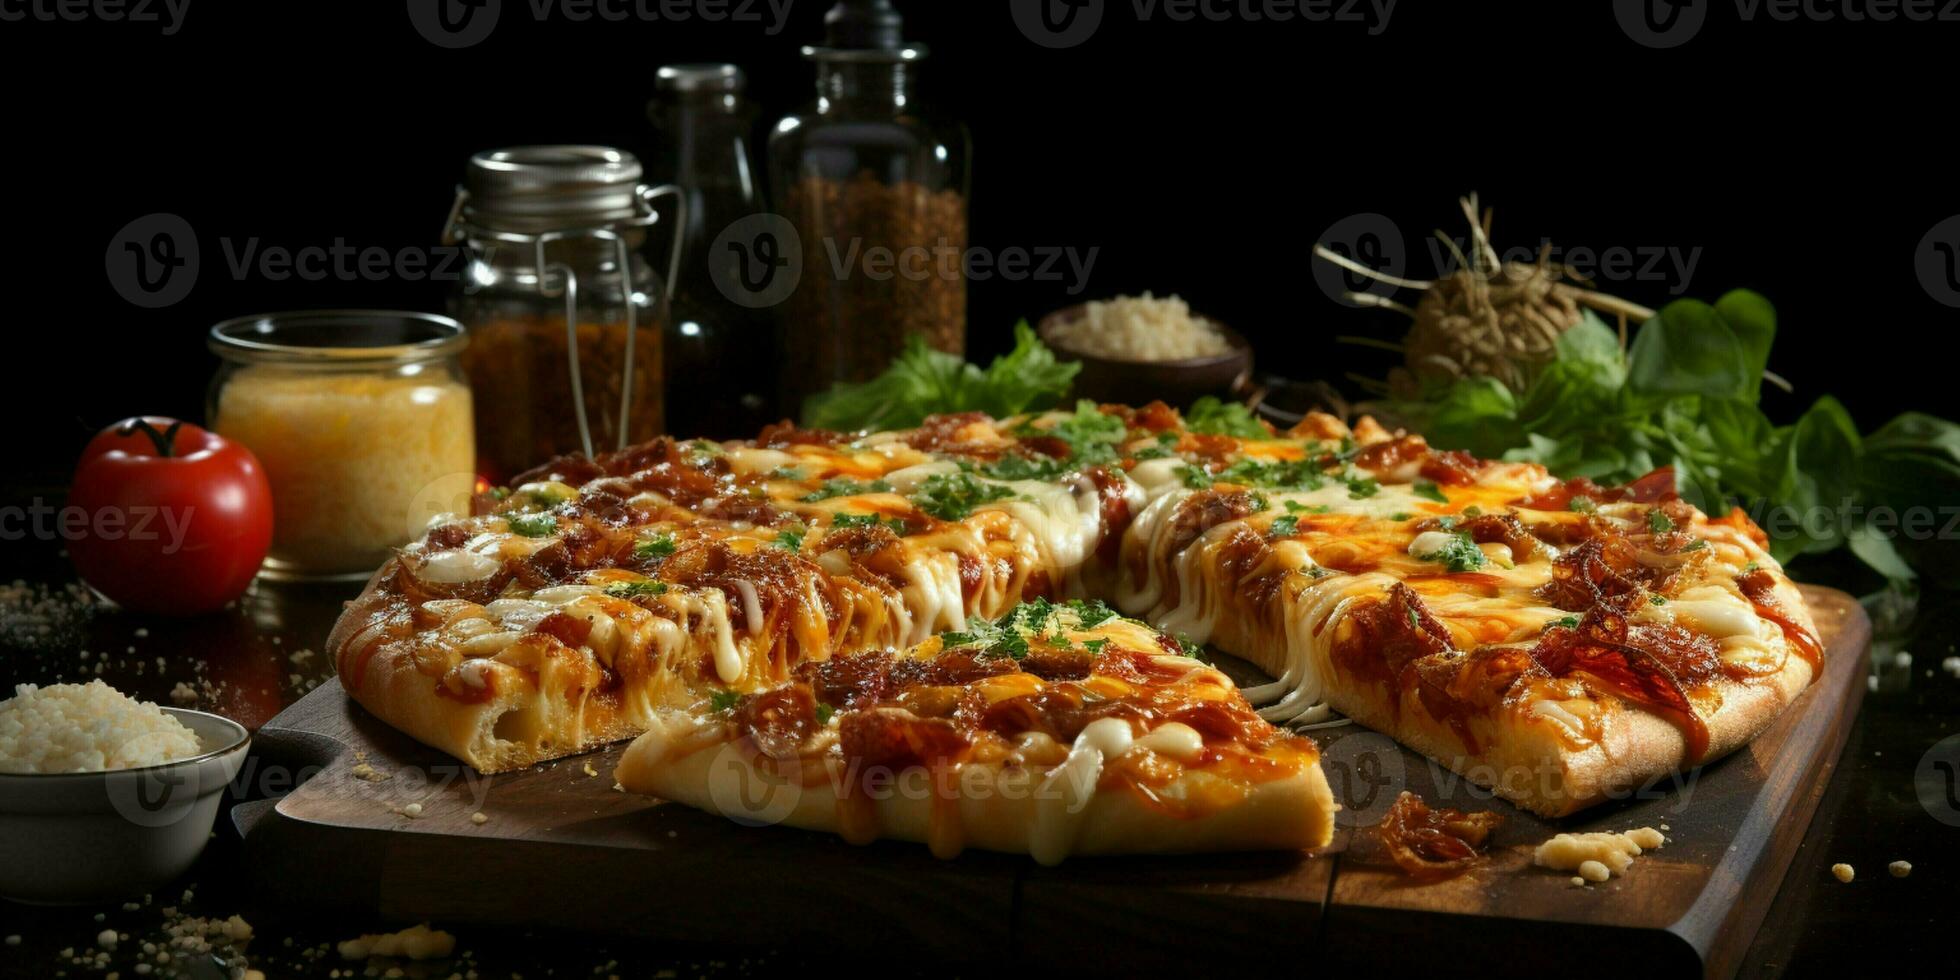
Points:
[[564, 314], [876, 189], [721, 330]]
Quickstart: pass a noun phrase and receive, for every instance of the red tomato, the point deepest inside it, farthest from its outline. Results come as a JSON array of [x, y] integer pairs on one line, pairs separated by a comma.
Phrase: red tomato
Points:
[[175, 519]]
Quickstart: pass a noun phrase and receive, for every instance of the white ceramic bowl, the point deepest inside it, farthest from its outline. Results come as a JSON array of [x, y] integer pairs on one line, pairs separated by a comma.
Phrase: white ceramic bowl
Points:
[[77, 838]]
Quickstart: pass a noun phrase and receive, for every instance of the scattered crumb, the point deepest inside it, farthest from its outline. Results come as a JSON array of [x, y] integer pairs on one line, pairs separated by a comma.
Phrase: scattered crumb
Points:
[[1597, 857], [589, 771], [1899, 869], [412, 810], [183, 693], [478, 818], [106, 939], [1844, 872], [415, 942], [1578, 882], [1951, 665]]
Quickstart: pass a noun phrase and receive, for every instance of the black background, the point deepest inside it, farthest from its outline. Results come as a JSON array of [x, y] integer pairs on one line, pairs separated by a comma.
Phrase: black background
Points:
[[1803, 159]]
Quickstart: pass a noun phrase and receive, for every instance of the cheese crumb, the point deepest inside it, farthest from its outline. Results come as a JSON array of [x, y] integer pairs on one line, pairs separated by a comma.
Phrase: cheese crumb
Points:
[[415, 942], [1899, 869], [412, 810], [1597, 857], [1578, 881], [478, 818], [1844, 872]]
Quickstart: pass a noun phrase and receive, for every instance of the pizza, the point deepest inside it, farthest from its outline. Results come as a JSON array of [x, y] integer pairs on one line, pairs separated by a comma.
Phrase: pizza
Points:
[[1061, 729], [1556, 641]]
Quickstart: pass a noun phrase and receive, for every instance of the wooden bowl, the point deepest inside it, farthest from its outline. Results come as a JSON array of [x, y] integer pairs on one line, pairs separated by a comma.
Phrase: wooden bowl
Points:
[[1178, 382]]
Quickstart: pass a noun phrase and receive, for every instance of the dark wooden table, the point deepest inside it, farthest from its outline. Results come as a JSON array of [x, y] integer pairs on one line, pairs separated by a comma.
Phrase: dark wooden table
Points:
[[250, 662]]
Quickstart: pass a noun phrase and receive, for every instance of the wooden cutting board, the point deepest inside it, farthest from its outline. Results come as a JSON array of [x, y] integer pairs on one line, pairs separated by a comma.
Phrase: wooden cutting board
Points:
[[560, 847]]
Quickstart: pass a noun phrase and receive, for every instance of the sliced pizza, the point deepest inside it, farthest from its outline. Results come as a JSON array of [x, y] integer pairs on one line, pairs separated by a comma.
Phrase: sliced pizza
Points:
[[1556, 641], [1059, 730]]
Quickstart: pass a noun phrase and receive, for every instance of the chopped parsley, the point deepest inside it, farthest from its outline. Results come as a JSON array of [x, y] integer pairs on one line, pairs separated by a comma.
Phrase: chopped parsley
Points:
[[824, 712], [1191, 648], [1657, 599], [1415, 618], [1091, 613], [897, 524], [1283, 527], [1091, 434], [995, 639], [1211, 416], [1658, 522], [1015, 466], [1400, 515], [1460, 555], [654, 548], [634, 590], [1581, 504], [1752, 566], [789, 540], [724, 700], [1697, 545], [1361, 487], [1195, 477], [952, 496], [1277, 475], [1296, 507], [534, 525], [1096, 645], [1428, 490], [786, 473], [499, 493], [838, 486], [1473, 511], [1568, 622]]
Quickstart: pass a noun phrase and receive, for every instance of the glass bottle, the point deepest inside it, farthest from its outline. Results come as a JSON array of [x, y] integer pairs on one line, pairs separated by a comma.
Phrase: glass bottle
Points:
[[717, 337], [564, 314], [875, 187]]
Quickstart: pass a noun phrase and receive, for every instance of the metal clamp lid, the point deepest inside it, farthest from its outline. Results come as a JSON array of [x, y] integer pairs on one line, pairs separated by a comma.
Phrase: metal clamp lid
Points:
[[539, 195]]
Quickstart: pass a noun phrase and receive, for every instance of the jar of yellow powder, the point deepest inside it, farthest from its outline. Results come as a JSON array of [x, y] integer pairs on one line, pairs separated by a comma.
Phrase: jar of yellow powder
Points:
[[362, 420]]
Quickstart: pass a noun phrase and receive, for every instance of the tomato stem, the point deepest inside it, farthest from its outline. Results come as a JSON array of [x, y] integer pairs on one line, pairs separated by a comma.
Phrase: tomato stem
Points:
[[165, 441]]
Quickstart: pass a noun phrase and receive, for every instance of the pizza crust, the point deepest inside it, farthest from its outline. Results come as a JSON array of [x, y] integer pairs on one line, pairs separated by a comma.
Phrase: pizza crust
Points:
[[995, 809]]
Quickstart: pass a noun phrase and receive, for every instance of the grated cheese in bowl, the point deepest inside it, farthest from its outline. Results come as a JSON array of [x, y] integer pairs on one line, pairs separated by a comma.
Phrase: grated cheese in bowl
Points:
[[1140, 328], [87, 728]]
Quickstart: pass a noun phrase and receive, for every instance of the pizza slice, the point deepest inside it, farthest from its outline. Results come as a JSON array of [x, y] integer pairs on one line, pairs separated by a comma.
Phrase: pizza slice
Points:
[[1058, 730]]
